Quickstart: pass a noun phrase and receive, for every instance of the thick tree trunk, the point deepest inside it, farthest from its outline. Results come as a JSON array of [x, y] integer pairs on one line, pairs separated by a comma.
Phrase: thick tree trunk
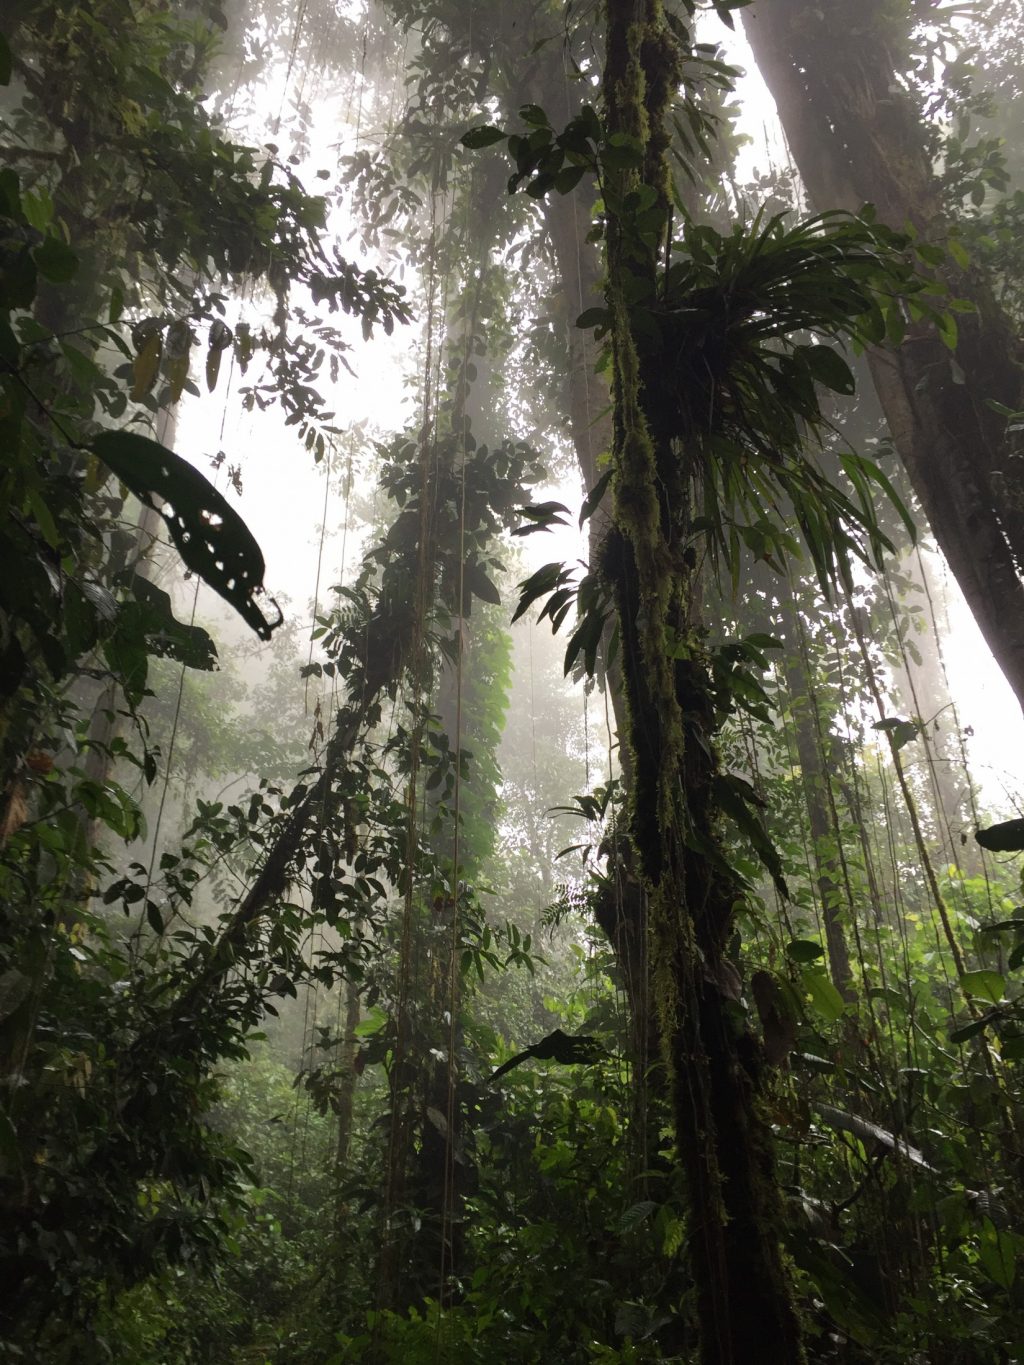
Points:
[[744, 1299], [857, 138]]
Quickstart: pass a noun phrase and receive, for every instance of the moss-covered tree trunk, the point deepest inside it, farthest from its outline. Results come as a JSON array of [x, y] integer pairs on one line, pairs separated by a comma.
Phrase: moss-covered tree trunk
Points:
[[744, 1299], [857, 138]]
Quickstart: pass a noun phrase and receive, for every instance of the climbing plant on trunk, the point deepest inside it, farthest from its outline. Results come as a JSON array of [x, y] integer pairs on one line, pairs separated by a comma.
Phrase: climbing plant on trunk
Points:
[[714, 400]]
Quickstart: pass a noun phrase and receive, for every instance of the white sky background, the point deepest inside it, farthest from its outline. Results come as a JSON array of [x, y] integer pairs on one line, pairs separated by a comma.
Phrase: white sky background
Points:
[[283, 496]]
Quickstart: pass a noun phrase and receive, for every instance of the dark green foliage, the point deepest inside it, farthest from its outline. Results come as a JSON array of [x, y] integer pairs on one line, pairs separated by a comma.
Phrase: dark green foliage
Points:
[[556, 1047], [359, 1190]]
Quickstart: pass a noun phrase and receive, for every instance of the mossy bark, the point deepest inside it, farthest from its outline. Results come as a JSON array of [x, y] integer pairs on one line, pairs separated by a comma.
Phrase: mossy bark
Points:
[[744, 1296]]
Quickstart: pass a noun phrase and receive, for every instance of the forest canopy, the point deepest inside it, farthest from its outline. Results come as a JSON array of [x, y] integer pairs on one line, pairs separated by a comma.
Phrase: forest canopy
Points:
[[511, 660]]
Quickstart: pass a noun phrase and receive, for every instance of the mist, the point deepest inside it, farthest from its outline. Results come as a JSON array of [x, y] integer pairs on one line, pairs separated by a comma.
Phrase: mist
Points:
[[511, 682]]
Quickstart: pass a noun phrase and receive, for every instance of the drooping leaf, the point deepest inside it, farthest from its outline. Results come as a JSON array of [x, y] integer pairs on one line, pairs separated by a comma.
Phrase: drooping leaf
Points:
[[545, 579], [998, 1253], [735, 798], [170, 638], [833, 1275], [475, 581], [212, 368], [593, 499], [55, 259], [210, 536], [541, 516], [972, 1028], [868, 1132], [145, 365]]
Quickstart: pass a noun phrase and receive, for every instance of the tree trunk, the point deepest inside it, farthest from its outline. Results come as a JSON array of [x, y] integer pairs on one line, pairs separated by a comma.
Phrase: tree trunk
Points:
[[824, 834], [744, 1299], [856, 138]]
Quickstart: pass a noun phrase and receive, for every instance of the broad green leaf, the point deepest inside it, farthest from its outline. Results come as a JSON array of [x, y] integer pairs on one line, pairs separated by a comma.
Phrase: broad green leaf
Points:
[[373, 1023], [997, 1253], [828, 368], [534, 116], [55, 260], [899, 731], [832, 1273], [985, 985], [970, 1030], [804, 950], [1005, 838], [959, 253], [824, 996], [637, 1214], [210, 536]]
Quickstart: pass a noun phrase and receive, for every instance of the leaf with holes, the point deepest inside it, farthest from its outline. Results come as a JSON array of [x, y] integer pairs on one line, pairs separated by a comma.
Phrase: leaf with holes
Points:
[[210, 536], [168, 637]]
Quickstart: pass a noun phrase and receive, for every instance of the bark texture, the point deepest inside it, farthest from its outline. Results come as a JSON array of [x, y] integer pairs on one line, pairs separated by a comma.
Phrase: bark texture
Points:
[[744, 1300], [857, 138]]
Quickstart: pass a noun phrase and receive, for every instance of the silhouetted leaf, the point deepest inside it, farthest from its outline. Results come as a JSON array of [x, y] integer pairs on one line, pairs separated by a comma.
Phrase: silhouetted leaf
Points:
[[1005, 838], [167, 636], [484, 136], [210, 536]]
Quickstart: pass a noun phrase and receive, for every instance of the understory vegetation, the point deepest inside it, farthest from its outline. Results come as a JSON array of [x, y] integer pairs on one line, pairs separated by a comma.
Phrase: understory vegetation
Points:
[[493, 866]]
